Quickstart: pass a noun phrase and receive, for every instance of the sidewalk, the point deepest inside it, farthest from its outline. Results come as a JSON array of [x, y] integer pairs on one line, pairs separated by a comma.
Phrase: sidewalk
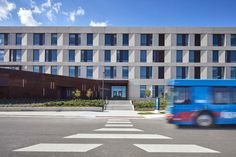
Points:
[[80, 114]]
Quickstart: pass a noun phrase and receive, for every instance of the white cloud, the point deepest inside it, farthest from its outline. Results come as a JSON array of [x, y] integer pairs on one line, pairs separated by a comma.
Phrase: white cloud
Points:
[[48, 9], [57, 7], [5, 9], [50, 15], [46, 5], [98, 24], [72, 15], [36, 10], [26, 17]]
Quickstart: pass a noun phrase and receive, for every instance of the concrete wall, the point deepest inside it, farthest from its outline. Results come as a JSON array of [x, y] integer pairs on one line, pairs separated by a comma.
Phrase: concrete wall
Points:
[[134, 48]]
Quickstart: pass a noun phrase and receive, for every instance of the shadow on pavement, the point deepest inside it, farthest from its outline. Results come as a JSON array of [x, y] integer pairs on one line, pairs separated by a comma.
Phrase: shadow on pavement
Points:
[[215, 127]]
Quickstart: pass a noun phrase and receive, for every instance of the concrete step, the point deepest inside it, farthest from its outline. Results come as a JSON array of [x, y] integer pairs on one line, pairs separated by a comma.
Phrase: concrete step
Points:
[[119, 105]]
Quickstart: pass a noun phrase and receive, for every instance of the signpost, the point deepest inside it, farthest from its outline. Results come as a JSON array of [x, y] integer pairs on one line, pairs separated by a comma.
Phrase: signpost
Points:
[[157, 105]]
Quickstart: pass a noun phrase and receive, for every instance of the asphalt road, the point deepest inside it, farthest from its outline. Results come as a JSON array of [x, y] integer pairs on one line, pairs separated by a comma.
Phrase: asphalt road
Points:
[[44, 137]]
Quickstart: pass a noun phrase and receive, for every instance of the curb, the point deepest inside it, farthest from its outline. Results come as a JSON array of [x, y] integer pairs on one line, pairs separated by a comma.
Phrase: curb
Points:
[[57, 109]]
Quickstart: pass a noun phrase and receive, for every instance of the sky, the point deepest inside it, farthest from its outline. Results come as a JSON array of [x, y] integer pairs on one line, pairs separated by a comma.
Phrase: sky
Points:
[[214, 13]]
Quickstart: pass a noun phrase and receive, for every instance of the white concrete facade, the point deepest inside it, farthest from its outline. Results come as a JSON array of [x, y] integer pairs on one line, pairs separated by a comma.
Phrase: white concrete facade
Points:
[[134, 47]]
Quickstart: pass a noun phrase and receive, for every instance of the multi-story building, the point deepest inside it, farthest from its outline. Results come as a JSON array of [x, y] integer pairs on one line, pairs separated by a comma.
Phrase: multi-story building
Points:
[[145, 56]]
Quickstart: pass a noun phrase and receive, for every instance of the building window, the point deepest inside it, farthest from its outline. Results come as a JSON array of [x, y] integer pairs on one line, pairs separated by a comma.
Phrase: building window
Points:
[[74, 71], [218, 39], [90, 39], [181, 72], [233, 39], [233, 72], [4, 38], [1, 55], [86, 55], [218, 72], [125, 40], [54, 39], [107, 56], [146, 40], [161, 41], [145, 72], [39, 69], [158, 56], [71, 55], [39, 38], [182, 40], [15, 55], [71, 71], [74, 39], [110, 72], [50, 55], [197, 73], [90, 72], [125, 72], [197, 40], [110, 39], [161, 72], [179, 56], [194, 56], [143, 56], [18, 38], [36, 55], [122, 56], [157, 91], [54, 70], [142, 91], [79, 71], [230, 56], [215, 56]]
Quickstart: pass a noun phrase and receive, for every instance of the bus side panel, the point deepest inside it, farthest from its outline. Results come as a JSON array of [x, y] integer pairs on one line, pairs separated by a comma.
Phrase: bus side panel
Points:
[[184, 114], [223, 113]]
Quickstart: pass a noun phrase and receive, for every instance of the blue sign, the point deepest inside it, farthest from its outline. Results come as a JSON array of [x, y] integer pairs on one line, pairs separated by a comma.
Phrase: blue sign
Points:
[[157, 103]]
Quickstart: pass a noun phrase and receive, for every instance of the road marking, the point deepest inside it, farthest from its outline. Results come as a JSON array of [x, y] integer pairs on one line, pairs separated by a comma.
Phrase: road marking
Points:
[[119, 136], [174, 148], [118, 125], [118, 129], [53, 147], [119, 122]]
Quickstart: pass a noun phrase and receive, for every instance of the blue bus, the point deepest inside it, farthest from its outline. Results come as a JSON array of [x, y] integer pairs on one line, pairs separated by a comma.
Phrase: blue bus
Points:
[[202, 102]]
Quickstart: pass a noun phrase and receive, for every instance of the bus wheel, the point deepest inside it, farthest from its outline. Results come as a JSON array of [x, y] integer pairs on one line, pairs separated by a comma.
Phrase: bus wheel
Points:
[[204, 120]]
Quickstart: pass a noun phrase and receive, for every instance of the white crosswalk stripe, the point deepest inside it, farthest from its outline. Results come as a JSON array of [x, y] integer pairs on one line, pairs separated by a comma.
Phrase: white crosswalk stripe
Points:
[[124, 122], [55, 147], [119, 125], [174, 148], [118, 129], [118, 136]]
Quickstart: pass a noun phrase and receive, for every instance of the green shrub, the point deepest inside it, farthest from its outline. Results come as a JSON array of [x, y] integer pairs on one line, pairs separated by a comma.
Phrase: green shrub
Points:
[[149, 104], [76, 103]]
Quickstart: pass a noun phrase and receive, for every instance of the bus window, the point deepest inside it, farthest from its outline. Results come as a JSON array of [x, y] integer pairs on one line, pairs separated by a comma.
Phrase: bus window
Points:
[[234, 95], [181, 95], [221, 95]]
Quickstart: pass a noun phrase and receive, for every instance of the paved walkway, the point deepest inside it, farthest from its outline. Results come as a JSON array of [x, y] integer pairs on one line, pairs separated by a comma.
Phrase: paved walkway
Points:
[[77, 114]]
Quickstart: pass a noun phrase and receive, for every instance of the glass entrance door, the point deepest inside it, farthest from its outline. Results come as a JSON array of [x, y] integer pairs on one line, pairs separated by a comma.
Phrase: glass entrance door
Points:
[[118, 92]]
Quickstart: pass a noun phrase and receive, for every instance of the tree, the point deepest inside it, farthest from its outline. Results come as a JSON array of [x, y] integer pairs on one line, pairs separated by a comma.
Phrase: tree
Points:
[[148, 93], [89, 93], [76, 93]]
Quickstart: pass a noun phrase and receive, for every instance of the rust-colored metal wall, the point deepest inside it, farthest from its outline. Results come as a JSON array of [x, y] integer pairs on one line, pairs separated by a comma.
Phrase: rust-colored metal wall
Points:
[[24, 84]]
